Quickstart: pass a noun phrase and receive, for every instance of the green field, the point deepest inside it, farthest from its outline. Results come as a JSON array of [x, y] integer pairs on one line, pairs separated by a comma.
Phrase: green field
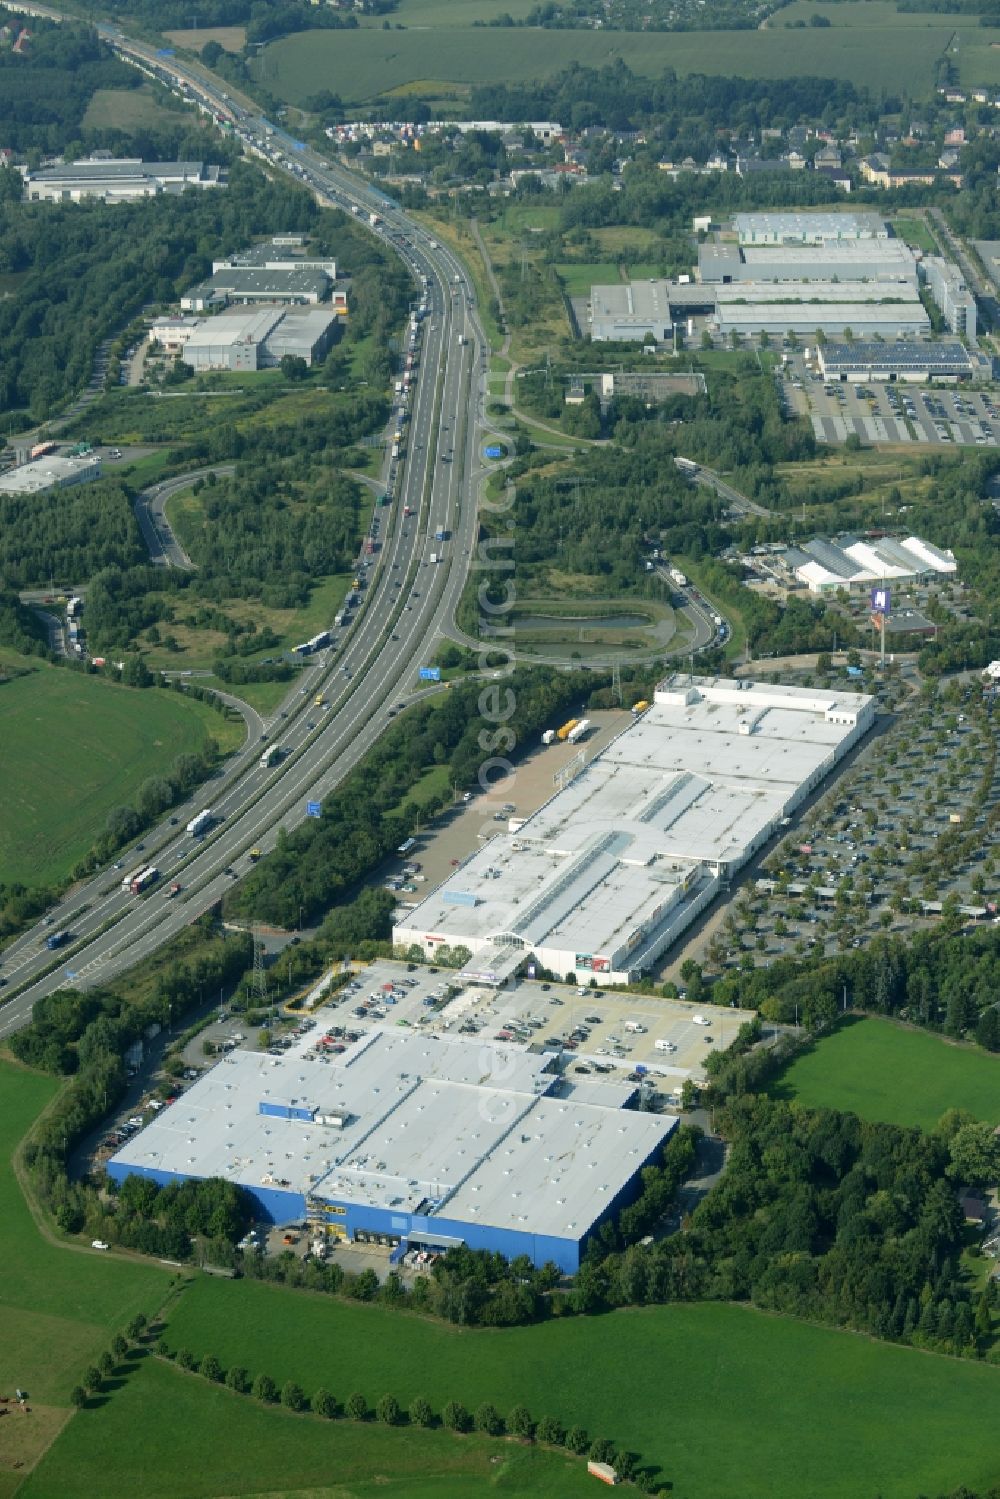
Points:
[[74, 747], [363, 64], [883, 1071], [579, 276], [59, 1306], [126, 109], [164, 1434], [718, 1396]]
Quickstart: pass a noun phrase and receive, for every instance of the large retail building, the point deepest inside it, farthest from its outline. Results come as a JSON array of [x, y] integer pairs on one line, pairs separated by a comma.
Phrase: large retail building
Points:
[[613, 868]]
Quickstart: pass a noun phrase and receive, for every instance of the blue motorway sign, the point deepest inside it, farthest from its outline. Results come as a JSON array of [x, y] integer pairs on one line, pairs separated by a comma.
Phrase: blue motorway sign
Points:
[[314, 809], [430, 674]]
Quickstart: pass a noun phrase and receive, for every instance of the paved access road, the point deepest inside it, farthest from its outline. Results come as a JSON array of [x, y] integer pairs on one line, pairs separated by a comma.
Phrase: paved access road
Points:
[[406, 601]]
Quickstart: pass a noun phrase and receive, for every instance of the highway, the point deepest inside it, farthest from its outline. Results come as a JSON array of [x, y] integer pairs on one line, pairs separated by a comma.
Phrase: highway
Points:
[[363, 679]]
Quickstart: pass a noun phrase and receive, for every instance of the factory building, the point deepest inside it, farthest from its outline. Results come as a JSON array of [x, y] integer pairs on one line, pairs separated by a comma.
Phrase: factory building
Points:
[[277, 254], [250, 285], [118, 180], [720, 263], [632, 310], [807, 228], [905, 360], [255, 339], [607, 874], [50, 472], [410, 1141], [947, 286], [855, 564], [867, 319]]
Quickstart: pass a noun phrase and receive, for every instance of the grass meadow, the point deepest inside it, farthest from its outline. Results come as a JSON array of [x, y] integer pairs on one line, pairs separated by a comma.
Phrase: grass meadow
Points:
[[59, 1305], [718, 1397], [76, 746], [883, 1071], [174, 1434]]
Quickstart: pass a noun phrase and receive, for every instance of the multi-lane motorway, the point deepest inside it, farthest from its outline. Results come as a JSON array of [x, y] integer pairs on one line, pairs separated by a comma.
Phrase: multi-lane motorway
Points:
[[363, 679]]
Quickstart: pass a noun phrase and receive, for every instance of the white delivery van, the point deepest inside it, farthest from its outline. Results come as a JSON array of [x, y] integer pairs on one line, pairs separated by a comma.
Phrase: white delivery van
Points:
[[635, 1028], [665, 1046]]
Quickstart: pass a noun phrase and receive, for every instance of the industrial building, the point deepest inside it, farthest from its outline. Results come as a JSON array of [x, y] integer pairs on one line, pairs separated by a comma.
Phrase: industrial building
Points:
[[722, 262], [118, 180], [277, 254], [254, 339], [947, 286], [807, 227], [855, 564], [869, 319], [50, 472], [863, 360], [411, 1141], [610, 871], [250, 285]]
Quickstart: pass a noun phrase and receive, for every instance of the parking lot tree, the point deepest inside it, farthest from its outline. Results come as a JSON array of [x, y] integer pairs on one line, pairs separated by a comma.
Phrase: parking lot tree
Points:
[[238, 1379], [420, 1412], [357, 1407], [264, 1389], [324, 1404], [293, 1397]]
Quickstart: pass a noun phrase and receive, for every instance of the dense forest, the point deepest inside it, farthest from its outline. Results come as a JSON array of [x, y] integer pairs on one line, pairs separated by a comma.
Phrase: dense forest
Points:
[[45, 89], [67, 534], [619, 99]]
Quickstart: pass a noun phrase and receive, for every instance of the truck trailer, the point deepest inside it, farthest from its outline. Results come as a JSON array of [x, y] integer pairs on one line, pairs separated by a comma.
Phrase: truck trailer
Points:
[[567, 728], [201, 823], [578, 731]]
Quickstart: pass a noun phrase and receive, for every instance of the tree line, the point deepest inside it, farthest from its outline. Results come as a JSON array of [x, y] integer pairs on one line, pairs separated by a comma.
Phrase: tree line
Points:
[[319, 863]]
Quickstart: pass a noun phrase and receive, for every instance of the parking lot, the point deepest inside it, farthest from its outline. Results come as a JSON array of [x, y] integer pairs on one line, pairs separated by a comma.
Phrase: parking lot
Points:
[[894, 413], [605, 1034]]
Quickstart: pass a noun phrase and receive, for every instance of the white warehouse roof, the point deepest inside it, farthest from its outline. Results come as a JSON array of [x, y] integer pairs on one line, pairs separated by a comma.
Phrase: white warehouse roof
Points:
[[609, 870]]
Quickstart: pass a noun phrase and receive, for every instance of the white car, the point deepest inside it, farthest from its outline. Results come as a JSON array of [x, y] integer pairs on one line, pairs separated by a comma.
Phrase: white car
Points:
[[701, 1019], [99, 1244]]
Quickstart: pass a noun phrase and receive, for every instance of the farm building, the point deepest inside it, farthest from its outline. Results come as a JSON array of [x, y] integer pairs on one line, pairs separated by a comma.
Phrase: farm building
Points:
[[409, 1141], [606, 875]]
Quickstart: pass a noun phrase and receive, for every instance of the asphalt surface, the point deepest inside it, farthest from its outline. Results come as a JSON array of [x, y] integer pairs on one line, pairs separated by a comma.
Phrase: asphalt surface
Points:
[[405, 605], [164, 548]]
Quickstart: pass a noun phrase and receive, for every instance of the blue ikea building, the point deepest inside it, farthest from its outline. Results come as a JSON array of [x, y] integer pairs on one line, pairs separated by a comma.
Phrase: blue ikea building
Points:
[[411, 1141]]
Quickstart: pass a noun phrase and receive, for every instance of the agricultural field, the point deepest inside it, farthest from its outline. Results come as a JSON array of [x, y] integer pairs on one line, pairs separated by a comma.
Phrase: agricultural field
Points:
[[883, 1071], [229, 38], [364, 64], [77, 746], [715, 1396]]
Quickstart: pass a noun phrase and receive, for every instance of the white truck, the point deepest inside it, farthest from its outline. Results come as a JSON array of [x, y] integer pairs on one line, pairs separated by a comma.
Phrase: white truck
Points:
[[200, 823], [578, 731], [548, 736], [677, 577]]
